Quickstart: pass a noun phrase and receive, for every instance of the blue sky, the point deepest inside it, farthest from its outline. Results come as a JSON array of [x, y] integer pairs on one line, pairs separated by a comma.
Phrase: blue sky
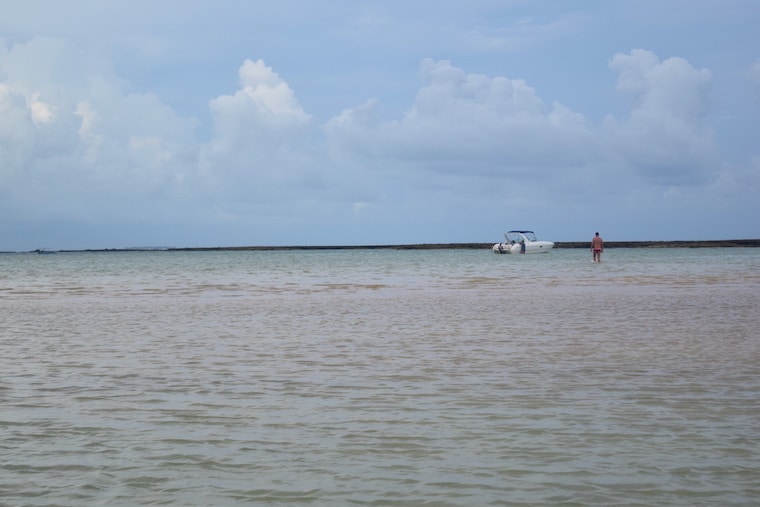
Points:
[[227, 123]]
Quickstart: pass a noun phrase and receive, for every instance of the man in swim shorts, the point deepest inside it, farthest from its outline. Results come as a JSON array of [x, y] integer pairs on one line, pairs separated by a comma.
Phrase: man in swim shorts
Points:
[[597, 247]]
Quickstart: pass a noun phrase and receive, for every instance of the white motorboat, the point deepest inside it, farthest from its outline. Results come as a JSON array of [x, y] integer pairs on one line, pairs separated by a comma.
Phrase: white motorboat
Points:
[[521, 242]]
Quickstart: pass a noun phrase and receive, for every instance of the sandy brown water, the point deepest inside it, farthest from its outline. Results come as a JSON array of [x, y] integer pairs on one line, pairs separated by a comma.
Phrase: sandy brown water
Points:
[[380, 377]]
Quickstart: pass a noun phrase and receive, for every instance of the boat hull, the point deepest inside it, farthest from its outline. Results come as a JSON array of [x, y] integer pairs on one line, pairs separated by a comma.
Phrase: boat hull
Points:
[[516, 248]]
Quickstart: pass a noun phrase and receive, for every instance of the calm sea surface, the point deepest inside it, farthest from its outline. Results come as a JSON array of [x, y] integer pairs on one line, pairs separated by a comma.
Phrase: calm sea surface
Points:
[[380, 377]]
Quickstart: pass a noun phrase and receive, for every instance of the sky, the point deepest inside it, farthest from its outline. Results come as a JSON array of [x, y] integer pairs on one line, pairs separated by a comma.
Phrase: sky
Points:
[[190, 123]]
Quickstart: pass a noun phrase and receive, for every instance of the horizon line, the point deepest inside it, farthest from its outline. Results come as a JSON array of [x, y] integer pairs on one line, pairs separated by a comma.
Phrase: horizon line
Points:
[[420, 246]]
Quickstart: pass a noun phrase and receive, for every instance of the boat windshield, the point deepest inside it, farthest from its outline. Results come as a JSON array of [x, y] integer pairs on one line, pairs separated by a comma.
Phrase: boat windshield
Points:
[[517, 236]]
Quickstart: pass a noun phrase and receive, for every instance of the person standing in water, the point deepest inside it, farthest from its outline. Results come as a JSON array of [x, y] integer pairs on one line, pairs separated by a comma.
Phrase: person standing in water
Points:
[[597, 247]]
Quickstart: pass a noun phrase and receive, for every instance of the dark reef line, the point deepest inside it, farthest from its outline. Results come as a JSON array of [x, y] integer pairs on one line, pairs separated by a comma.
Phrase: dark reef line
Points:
[[724, 243], [480, 246]]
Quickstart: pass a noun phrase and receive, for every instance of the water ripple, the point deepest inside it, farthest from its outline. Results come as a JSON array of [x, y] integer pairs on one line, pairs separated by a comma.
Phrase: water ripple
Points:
[[379, 379]]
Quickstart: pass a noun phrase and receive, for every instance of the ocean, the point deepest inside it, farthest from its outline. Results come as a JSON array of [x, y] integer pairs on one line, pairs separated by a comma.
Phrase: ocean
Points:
[[380, 377]]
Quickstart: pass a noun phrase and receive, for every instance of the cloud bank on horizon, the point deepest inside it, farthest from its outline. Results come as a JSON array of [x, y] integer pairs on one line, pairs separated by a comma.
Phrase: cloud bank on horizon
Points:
[[125, 125]]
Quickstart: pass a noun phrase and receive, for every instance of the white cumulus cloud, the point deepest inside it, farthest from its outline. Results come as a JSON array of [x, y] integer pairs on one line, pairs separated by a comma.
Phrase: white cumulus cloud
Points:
[[663, 138], [472, 122], [68, 138]]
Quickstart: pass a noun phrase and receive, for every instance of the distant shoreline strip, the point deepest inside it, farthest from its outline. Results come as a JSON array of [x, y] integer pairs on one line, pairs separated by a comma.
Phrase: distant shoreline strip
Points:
[[442, 246], [480, 246]]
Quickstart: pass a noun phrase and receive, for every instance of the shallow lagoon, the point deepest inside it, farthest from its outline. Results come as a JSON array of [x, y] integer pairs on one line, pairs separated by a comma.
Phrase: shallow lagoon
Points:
[[353, 377]]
